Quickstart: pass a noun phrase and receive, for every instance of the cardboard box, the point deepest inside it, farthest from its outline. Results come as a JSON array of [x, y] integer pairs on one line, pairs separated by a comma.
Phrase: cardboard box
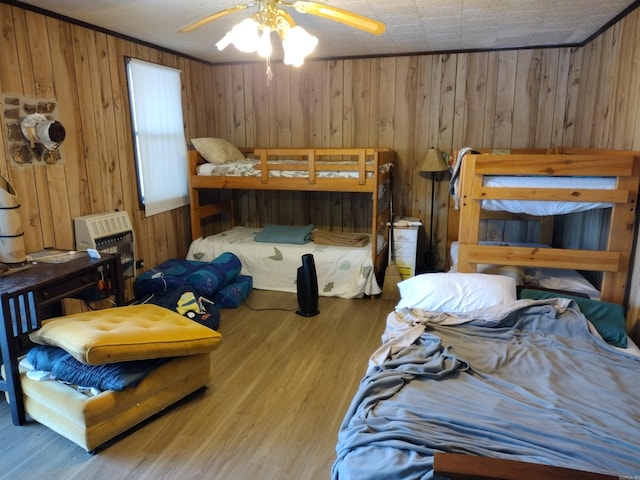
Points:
[[405, 247]]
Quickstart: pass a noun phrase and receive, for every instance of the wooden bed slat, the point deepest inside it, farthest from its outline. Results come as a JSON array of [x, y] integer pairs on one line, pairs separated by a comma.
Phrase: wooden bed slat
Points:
[[280, 183], [552, 194], [554, 165], [456, 466], [600, 261]]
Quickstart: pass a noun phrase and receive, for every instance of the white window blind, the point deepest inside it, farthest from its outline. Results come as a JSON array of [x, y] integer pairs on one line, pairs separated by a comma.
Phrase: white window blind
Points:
[[155, 96]]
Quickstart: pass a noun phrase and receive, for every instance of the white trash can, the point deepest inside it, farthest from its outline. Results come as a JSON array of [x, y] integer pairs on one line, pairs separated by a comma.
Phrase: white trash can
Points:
[[12, 249]]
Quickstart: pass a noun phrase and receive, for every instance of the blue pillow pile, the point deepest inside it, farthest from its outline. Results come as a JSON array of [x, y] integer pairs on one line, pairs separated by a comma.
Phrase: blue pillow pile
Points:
[[219, 280]]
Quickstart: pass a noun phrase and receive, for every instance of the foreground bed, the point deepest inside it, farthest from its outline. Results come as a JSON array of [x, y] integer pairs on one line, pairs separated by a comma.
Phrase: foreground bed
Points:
[[525, 380]]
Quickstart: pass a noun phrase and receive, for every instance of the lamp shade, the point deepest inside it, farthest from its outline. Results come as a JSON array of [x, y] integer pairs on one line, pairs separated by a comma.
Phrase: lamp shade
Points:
[[432, 161]]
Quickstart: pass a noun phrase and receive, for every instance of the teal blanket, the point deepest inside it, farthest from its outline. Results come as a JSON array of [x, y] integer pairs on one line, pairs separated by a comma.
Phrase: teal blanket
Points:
[[285, 234]]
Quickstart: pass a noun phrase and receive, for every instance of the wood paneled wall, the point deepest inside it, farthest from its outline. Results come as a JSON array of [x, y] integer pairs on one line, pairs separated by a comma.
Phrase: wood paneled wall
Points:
[[586, 96], [608, 110]]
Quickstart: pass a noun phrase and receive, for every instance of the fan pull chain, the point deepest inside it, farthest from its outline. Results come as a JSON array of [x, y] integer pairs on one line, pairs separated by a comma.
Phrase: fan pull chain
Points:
[[269, 72]]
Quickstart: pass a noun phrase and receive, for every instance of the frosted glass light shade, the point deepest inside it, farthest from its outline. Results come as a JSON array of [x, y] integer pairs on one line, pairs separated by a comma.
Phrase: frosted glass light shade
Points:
[[244, 36], [297, 44]]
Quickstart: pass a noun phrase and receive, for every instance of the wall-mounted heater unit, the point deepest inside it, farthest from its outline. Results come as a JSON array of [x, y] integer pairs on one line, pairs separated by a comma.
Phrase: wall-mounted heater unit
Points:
[[109, 232]]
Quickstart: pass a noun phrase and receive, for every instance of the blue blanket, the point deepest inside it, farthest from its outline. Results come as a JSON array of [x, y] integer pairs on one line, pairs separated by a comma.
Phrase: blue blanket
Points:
[[534, 386], [112, 376]]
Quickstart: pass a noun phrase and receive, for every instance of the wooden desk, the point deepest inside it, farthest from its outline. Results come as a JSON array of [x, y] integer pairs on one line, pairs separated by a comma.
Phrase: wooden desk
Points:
[[36, 293]]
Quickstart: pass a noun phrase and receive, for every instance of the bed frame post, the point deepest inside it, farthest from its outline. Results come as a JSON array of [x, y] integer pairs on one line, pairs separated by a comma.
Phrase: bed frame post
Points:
[[614, 284], [375, 215], [469, 208], [197, 211]]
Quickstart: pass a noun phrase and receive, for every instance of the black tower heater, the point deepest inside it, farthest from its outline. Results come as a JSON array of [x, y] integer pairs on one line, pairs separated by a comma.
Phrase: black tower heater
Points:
[[307, 283]]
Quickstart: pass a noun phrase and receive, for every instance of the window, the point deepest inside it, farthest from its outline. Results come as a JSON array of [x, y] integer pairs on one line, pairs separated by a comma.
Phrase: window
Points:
[[155, 97]]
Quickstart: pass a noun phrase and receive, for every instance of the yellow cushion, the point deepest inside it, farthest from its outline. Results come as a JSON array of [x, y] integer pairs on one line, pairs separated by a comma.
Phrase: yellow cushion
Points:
[[120, 334]]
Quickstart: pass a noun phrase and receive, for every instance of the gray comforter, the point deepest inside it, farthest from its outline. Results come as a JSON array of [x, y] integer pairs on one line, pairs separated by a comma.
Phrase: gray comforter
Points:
[[529, 383]]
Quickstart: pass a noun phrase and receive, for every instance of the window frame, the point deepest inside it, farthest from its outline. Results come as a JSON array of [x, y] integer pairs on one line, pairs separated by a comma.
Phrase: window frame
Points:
[[170, 152]]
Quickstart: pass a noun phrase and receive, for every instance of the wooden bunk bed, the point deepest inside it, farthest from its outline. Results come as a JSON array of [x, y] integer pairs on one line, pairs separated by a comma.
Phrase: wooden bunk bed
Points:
[[357, 170], [614, 260]]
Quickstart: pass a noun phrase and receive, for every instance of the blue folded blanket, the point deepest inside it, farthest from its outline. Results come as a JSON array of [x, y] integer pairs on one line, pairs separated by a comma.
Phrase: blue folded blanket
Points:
[[285, 234], [112, 376]]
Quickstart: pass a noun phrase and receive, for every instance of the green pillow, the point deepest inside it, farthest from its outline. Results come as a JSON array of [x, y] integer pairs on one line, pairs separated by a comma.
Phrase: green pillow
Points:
[[608, 318]]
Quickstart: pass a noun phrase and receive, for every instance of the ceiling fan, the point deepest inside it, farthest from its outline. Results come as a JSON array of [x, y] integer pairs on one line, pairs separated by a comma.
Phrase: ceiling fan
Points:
[[253, 34], [268, 11]]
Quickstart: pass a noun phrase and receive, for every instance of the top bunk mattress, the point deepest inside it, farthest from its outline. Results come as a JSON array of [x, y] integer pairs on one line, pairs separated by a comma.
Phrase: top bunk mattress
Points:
[[537, 207], [249, 167], [545, 208]]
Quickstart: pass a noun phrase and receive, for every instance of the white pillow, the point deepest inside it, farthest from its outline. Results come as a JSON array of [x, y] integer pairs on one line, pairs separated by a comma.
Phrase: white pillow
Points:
[[456, 292], [560, 279], [217, 150]]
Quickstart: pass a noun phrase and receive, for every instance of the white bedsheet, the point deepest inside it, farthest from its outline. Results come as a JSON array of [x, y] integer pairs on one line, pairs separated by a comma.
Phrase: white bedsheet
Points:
[[346, 272], [531, 207], [546, 208]]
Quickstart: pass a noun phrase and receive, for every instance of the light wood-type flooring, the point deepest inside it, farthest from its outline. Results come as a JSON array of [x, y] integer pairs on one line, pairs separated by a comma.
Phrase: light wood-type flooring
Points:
[[280, 388]]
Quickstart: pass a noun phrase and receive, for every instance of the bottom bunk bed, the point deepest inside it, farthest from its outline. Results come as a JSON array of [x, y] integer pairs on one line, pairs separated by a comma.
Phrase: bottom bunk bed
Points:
[[468, 367], [343, 270]]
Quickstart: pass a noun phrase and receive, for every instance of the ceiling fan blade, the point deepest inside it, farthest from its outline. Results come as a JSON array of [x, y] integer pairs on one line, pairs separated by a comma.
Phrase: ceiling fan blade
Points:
[[210, 18], [339, 15]]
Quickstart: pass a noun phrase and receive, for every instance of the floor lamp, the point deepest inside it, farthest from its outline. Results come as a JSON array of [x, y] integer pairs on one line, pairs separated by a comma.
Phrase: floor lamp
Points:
[[432, 165]]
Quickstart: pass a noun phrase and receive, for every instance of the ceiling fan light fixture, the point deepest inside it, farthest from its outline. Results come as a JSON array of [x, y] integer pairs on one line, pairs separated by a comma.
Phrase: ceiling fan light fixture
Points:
[[264, 47], [254, 34], [244, 36], [297, 44]]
